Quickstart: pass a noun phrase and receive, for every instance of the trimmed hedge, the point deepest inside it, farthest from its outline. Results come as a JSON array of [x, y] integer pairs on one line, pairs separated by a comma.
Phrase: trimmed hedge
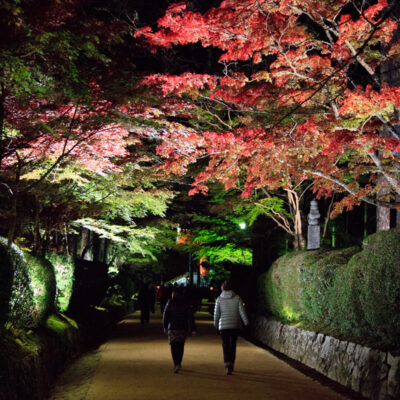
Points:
[[366, 299], [64, 271], [43, 284], [27, 287], [30, 360], [21, 298], [6, 279], [296, 285], [355, 294]]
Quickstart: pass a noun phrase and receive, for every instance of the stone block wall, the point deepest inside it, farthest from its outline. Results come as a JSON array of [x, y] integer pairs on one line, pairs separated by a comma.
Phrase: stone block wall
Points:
[[372, 373]]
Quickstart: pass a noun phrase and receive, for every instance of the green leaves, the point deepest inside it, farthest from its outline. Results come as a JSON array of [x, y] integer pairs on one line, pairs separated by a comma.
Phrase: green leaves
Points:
[[267, 206]]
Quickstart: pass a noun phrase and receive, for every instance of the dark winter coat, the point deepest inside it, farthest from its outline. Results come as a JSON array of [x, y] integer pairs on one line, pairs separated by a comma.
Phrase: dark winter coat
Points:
[[178, 316], [145, 298]]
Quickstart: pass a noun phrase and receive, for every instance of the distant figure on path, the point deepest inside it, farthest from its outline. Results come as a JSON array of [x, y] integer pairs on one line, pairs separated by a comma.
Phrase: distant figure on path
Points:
[[152, 298], [229, 317], [178, 322], [145, 301], [162, 296]]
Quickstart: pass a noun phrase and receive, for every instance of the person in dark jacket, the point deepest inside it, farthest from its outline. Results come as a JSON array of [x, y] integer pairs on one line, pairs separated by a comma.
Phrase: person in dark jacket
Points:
[[178, 321], [145, 300], [162, 296], [229, 317]]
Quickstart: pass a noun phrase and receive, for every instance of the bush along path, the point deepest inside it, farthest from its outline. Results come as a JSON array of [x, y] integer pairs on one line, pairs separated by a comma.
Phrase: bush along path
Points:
[[352, 294], [136, 364], [37, 341], [337, 311]]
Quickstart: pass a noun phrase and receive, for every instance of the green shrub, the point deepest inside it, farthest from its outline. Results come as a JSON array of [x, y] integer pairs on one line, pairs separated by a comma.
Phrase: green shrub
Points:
[[21, 302], [295, 287], [366, 301], [43, 284], [64, 270], [6, 280], [318, 280], [353, 293], [60, 323]]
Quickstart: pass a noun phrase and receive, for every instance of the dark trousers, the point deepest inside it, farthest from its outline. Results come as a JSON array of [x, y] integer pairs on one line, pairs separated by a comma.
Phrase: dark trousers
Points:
[[229, 338], [163, 303], [177, 352], [144, 315]]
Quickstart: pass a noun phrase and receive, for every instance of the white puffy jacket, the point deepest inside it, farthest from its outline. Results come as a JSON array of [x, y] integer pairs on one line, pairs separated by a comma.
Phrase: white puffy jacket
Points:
[[229, 311]]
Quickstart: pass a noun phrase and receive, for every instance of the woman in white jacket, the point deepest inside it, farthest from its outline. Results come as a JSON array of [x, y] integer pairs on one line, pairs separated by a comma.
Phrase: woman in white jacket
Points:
[[229, 317]]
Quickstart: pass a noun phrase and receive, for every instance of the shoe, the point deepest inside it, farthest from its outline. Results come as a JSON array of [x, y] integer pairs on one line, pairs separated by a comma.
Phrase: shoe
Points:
[[176, 369], [229, 368]]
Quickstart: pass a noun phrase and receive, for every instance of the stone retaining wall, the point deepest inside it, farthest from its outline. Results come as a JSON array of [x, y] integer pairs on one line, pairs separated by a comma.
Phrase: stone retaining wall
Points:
[[372, 373]]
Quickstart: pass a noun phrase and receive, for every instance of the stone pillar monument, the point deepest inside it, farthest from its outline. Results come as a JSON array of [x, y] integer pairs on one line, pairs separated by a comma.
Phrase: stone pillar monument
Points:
[[314, 234]]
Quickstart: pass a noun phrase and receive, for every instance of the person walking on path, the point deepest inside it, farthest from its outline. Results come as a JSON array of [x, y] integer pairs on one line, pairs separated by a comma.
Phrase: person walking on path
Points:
[[162, 296], [229, 317], [145, 301], [178, 321], [152, 290]]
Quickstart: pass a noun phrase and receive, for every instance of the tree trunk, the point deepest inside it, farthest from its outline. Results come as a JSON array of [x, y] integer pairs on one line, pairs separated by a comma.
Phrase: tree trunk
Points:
[[389, 73], [66, 239], [328, 217], [382, 213], [36, 229], [382, 219], [294, 202], [14, 218], [45, 242], [2, 100]]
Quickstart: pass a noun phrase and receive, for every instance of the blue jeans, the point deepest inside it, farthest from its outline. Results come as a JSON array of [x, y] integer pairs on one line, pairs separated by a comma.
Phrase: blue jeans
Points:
[[229, 338]]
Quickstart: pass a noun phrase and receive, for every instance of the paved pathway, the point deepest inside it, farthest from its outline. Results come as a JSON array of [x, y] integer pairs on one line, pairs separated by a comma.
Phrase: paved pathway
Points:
[[135, 364]]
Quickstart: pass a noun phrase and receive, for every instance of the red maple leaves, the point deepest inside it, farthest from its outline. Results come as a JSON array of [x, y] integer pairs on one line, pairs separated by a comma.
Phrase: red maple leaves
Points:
[[302, 115]]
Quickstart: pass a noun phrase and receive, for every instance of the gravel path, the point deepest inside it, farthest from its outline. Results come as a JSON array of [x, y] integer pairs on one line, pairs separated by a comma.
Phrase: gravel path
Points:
[[135, 364]]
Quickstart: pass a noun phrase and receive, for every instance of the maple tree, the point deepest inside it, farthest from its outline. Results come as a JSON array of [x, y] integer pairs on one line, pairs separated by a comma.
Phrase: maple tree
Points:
[[65, 137], [302, 94]]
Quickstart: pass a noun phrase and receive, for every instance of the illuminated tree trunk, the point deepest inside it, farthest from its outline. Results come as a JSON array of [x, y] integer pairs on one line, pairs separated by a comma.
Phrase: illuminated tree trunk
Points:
[[390, 73], [299, 242], [382, 213], [397, 212], [328, 216], [382, 219]]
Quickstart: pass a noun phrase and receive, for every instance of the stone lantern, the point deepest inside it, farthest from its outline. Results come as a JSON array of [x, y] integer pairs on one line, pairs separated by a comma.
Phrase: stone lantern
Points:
[[314, 230]]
